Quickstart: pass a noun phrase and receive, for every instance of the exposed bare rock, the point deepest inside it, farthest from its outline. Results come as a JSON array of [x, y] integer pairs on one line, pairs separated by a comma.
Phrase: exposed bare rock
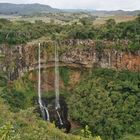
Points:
[[22, 58]]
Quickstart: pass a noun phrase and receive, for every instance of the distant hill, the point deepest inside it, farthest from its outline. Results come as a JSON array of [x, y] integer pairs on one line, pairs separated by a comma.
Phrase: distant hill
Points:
[[25, 9], [117, 13], [30, 9], [106, 13]]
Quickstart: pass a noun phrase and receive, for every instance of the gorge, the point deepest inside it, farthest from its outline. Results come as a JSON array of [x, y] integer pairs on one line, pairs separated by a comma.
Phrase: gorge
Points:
[[85, 67]]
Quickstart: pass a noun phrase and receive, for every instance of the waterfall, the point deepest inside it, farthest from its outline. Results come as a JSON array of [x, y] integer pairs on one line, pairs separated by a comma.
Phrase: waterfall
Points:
[[39, 78], [43, 109], [57, 103], [47, 113], [59, 117]]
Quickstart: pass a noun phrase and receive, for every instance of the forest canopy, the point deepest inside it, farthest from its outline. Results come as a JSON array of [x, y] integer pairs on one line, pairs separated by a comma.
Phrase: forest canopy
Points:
[[20, 32]]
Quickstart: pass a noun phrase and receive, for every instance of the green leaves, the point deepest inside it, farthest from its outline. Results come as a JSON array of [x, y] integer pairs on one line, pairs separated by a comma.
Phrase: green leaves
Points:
[[7, 132], [15, 100], [108, 102], [64, 73], [86, 132], [25, 125]]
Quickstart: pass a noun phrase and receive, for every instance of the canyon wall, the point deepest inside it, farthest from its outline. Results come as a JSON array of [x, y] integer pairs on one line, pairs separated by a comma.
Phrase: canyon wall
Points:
[[77, 54]]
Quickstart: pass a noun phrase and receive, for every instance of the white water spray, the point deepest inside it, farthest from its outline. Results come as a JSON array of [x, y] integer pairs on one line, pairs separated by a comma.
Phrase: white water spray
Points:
[[57, 102], [42, 108], [59, 117]]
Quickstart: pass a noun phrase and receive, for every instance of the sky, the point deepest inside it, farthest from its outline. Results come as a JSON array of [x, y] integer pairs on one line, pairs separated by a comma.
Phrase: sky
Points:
[[85, 4]]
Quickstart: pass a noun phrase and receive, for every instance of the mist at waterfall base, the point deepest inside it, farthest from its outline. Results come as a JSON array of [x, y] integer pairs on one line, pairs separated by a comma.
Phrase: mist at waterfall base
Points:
[[54, 110]]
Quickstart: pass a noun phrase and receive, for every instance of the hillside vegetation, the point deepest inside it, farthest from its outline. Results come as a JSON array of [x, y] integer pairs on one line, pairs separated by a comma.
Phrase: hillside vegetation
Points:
[[106, 101], [21, 32], [27, 125]]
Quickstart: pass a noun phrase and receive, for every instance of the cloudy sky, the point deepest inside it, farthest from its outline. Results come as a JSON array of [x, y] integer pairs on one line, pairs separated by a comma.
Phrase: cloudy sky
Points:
[[86, 4]]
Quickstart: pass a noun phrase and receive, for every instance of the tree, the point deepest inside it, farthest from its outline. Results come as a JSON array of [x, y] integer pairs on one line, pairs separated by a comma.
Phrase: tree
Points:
[[92, 106], [138, 18], [86, 21], [110, 23], [108, 102]]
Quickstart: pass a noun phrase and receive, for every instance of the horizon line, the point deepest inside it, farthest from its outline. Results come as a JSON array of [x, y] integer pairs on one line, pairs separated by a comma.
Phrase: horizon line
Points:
[[86, 9]]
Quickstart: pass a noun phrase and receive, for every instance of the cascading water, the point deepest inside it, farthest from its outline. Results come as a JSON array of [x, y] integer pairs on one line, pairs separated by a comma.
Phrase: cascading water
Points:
[[57, 103], [43, 109], [56, 109]]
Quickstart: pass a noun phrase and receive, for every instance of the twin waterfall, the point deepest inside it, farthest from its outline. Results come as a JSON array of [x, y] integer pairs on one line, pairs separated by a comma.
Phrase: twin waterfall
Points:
[[43, 107], [57, 104]]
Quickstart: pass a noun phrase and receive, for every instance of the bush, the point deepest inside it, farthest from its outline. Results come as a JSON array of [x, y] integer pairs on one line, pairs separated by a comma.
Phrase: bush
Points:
[[108, 102], [16, 100]]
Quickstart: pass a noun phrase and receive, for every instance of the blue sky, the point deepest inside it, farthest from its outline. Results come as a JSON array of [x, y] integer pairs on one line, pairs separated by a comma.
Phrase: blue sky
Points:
[[86, 4]]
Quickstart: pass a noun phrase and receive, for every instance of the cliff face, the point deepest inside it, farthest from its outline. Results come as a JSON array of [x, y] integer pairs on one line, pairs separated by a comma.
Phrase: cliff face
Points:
[[107, 58], [19, 59]]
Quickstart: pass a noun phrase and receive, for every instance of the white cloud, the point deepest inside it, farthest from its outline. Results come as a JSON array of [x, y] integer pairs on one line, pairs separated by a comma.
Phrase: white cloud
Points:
[[86, 4]]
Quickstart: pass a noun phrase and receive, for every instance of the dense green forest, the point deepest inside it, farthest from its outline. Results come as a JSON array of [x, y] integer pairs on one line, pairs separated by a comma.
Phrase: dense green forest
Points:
[[22, 31], [106, 101]]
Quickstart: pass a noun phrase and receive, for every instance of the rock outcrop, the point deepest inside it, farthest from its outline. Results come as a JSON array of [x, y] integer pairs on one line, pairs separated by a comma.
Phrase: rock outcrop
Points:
[[16, 60]]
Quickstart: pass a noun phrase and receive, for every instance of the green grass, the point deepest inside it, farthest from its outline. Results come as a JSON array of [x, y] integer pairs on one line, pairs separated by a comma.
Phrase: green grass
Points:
[[131, 137]]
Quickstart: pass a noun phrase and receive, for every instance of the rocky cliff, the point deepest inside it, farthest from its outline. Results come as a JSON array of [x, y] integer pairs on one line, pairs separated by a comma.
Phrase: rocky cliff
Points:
[[16, 60]]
